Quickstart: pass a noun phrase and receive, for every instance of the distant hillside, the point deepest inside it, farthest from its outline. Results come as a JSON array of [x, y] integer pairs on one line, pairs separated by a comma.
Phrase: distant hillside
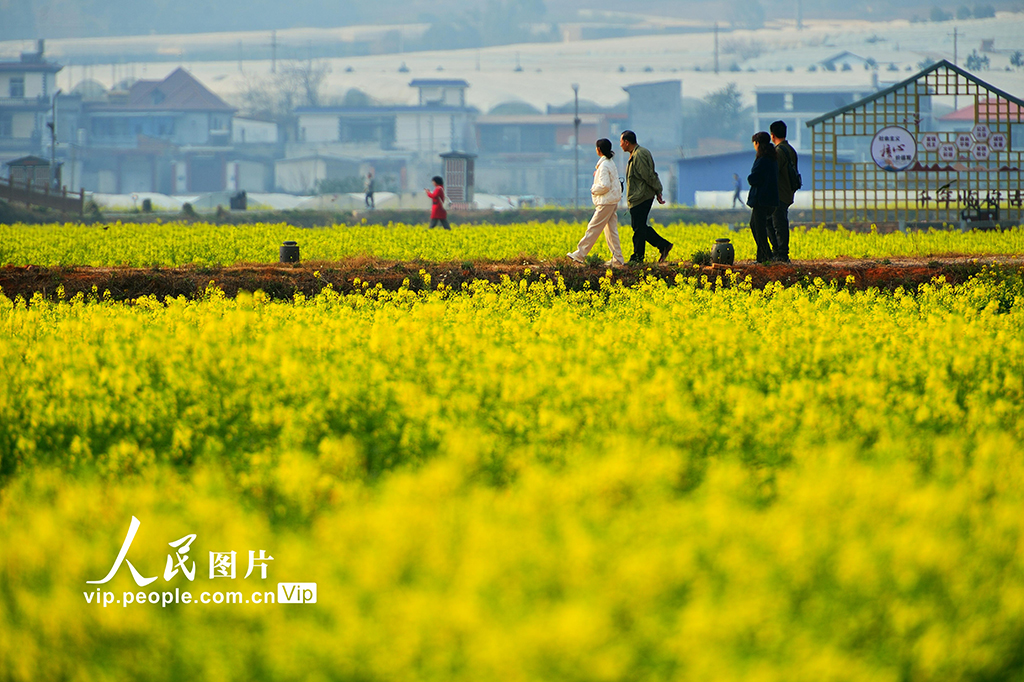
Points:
[[458, 23]]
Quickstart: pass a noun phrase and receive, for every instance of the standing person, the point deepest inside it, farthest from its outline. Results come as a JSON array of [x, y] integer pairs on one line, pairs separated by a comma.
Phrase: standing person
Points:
[[763, 196], [437, 212], [605, 193], [778, 230], [368, 186], [737, 186], [642, 187]]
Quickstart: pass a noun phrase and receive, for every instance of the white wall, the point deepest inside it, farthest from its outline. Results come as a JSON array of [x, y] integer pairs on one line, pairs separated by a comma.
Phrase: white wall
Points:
[[192, 129], [319, 127], [23, 124], [299, 176], [424, 132], [248, 175], [33, 84], [723, 199], [248, 131]]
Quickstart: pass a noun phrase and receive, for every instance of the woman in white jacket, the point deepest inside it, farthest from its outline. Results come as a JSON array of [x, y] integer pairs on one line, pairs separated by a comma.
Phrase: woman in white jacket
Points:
[[606, 193]]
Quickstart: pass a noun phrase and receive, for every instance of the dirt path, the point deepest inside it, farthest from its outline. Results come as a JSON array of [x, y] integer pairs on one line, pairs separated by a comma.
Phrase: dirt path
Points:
[[283, 281]]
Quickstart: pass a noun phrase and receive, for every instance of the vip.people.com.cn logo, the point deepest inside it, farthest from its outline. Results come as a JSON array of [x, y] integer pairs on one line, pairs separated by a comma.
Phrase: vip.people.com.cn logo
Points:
[[221, 564]]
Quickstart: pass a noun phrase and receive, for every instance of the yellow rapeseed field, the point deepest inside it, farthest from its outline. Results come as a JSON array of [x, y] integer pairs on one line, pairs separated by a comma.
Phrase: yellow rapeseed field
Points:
[[170, 244], [513, 481]]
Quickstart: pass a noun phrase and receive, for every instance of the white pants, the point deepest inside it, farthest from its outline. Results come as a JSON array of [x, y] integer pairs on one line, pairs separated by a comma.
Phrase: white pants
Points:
[[605, 220]]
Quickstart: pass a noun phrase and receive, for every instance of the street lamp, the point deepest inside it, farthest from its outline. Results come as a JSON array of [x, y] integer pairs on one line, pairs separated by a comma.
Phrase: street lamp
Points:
[[576, 145], [52, 125]]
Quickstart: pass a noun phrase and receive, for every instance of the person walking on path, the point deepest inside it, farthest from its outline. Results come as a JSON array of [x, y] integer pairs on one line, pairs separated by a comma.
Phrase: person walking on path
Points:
[[642, 187], [778, 227], [438, 214], [368, 186], [763, 196], [737, 187], [606, 192]]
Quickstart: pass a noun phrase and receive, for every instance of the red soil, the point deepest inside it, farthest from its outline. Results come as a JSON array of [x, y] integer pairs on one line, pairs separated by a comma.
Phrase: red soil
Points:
[[283, 281]]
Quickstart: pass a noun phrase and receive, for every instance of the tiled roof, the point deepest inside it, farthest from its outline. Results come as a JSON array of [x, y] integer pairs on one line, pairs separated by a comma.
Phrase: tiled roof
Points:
[[988, 110], [180, 91]]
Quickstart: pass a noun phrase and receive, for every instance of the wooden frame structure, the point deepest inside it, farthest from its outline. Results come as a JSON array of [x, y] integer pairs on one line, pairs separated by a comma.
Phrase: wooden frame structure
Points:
[[962, 166]]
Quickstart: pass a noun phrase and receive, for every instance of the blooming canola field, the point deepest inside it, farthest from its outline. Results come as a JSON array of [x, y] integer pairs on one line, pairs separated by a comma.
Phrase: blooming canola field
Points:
[[176, 243], [668, 481]]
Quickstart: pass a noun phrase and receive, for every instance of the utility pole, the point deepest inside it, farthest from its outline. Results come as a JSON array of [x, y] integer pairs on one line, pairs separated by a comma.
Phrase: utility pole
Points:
[[273, 52], [799, 15], [576, 145], [716, 47], [53, 140]]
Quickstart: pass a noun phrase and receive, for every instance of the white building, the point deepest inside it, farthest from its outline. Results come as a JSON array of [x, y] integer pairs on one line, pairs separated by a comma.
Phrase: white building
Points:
[[27, 88], [246, 130], [439, 122]]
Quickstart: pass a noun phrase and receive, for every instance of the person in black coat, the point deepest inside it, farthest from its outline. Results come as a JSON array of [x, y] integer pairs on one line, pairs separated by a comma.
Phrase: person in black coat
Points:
[[763, 196]]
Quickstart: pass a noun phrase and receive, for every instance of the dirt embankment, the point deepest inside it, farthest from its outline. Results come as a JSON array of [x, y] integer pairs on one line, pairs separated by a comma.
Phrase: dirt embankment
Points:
[[284, 281]]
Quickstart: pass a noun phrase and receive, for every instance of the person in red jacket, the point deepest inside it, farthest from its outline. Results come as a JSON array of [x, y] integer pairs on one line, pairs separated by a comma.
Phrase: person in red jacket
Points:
[[437, 212]]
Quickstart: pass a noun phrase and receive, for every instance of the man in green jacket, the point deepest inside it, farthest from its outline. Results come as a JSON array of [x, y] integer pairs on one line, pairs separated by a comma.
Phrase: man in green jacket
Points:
[[642, 187]]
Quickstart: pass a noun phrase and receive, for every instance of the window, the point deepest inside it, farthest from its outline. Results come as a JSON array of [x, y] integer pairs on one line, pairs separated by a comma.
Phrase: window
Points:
[[788, 101], [18, 87], [6, 128]]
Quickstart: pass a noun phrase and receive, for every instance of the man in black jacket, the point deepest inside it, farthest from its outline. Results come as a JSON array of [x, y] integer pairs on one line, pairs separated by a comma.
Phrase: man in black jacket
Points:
[[778, 226]]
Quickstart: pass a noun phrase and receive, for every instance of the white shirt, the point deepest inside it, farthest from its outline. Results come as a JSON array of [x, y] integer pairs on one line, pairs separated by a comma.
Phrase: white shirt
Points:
[[606, 188]]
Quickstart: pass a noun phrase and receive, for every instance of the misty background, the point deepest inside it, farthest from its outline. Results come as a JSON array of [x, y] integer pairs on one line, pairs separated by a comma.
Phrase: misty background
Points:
[[450, 24]]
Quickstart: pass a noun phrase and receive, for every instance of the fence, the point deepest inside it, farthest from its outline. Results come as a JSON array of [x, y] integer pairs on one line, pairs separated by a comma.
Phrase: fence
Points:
[[25, 193]]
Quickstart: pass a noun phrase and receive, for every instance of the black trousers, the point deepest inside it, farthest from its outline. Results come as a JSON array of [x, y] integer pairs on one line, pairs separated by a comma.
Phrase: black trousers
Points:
[[434, 222], [644, 234], [759, 216], [778, 232]]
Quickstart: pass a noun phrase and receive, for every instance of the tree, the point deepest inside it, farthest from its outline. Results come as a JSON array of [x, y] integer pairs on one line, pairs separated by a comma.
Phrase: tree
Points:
[[298, 83], [963, 12], [721, 115], [984, 11], [977, 62], [304, 79], [939, 14], [356, 98], [1017, 59]]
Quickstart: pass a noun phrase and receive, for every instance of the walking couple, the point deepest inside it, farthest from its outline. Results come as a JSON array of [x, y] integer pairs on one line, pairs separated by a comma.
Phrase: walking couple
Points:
[[642, 188]]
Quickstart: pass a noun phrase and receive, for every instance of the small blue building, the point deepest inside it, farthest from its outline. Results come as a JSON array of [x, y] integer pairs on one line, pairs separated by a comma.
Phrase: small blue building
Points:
[[711, 173]]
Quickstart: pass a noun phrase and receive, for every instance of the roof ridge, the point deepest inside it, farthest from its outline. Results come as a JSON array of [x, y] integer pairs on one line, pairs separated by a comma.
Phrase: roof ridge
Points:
[[942, 63]]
